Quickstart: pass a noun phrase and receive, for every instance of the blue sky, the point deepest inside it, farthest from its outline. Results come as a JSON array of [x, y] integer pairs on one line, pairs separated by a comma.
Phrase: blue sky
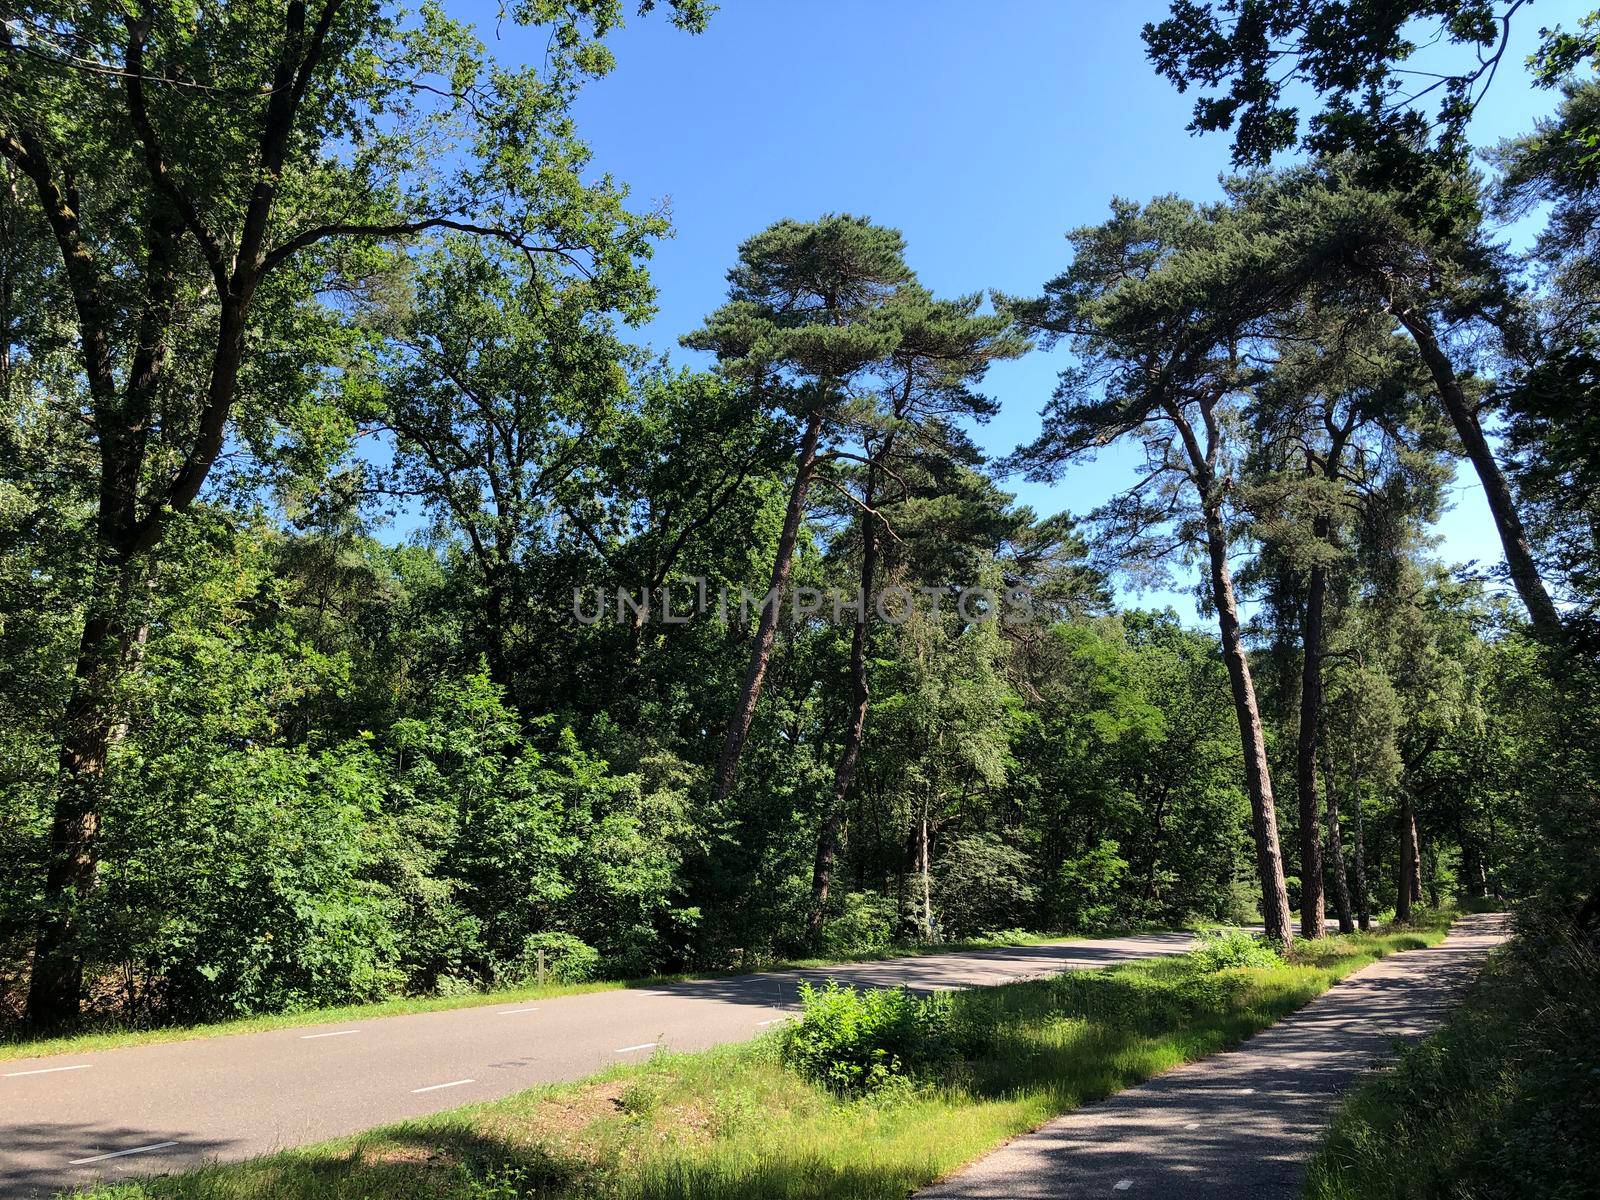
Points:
[[983, 131]]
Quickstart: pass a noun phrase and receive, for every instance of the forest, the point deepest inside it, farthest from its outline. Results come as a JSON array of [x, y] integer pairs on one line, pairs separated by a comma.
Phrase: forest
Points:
[[379, 616]]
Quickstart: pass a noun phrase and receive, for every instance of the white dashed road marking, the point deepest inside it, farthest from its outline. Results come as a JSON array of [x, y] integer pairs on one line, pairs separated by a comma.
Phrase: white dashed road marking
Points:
[[78, 1162], [307, 1037], [434, 1087], [1122, 1185], [640, 1046], [511, 1012], [46, 1071]]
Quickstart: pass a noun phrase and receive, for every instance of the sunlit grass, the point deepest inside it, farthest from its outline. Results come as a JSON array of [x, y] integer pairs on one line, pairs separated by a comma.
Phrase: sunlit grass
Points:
[[733, 1122]]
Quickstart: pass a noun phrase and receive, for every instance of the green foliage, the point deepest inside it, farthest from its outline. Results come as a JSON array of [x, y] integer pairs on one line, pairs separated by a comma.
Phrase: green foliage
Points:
[[567, 960], [1253, 56], [337, 769], [864, 923], [1224, 949], [1088, 887], [981, 884], [859, 1040]]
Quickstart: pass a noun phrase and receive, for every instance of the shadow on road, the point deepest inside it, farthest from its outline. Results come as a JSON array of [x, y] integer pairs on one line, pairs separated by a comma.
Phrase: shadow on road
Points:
[[35, 1159], [973, 968]]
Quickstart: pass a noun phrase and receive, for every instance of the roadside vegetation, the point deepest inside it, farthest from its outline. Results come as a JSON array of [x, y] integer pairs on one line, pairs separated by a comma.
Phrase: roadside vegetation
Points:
[[1502, 1102], [867, 1095]]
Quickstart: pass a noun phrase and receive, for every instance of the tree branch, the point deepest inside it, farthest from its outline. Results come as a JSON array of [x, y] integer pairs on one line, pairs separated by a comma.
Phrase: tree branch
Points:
[[398, 229], [155, 160]]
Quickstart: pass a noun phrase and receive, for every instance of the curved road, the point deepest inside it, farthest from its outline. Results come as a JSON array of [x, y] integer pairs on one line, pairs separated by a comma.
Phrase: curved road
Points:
[[68, 1120]]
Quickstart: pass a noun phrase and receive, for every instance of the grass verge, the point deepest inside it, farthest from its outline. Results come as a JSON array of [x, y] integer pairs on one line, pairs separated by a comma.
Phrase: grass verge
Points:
[[19, 1044], [1502, 1103], [735, 1123]]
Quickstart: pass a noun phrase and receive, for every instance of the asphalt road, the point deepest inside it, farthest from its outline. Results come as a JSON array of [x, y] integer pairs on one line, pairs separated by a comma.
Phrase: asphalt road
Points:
[[68, 1120], [1244, 1122]]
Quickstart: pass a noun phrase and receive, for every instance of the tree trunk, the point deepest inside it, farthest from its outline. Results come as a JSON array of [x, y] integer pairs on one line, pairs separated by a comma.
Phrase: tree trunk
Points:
[[1429, 880], [89, 725], [1414, 862], [902, 883], [1474, 880], [925, 877], [1363, 897], [1311, 901], [1520, 562], [767, 628], [1341, 883], [844, 773], [1258, 776], [1158, 815], [1408, 849]]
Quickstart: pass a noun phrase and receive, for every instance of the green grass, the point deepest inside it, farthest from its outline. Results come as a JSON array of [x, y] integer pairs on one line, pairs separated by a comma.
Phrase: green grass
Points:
[[734, 1122], [17, 1043], [1503, 1102]]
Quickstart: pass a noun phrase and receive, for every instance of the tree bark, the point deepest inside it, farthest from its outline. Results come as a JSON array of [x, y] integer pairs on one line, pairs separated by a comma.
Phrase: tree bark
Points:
[[1258, 775], [1520, 564], [1341, 882], [1312, 912], [767, 627], [1363, 897], [1157, 815], [925, 877], [1407, 864], [850, 755], [1414, 862], [55, 986]]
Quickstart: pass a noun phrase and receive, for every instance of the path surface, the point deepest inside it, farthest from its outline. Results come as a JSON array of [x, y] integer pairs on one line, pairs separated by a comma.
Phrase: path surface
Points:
[[1243, 1122], [69, 1119]]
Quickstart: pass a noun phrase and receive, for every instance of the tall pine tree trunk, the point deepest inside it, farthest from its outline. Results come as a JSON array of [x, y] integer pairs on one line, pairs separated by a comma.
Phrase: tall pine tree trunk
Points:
[[1341, 881], [1514, 541], [1258, 775], [850, 755], [1406, 864], [1363, 897], [767, 627], [924, 877], [1414, 861], [1474, 880], [1311, 901]]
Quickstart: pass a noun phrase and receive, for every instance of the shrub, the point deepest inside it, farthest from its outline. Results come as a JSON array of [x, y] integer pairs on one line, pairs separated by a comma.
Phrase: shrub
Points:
[[1220, 949], [1241, 904], [981, 883], [567, 960], [234, 884], [1086, 889], [858, 1040], [864, 925]]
